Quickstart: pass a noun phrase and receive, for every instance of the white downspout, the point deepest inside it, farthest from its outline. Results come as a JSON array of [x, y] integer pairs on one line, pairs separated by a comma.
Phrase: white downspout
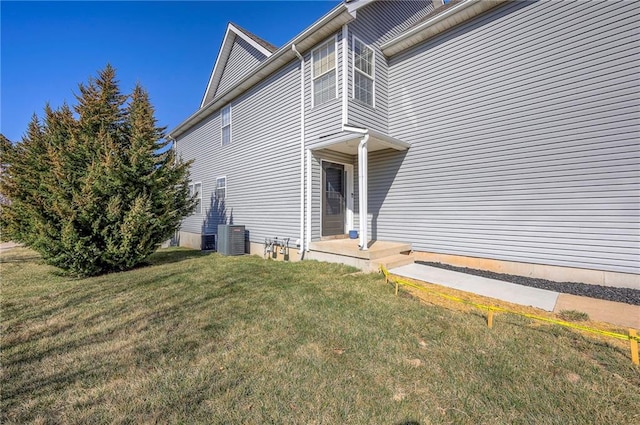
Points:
[[309, 183], [301, 245], [363, 189], [345, 71]]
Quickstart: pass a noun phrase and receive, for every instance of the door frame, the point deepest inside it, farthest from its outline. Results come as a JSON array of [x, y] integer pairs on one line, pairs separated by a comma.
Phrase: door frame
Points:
[[349, 194]]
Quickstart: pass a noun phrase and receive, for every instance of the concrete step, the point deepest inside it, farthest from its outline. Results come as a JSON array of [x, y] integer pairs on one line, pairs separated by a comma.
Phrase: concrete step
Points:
[[379, 250], [391, 261]]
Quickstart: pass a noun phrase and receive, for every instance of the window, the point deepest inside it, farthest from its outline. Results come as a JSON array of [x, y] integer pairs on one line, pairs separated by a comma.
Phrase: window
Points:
[[196, 189], [363, 72], [226, 125], [221, 188], [323, 69]]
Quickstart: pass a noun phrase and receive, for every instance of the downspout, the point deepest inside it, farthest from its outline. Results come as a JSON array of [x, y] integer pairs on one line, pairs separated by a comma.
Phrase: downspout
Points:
[[301, 245], [363, 190], [345, 71], [309, 188]]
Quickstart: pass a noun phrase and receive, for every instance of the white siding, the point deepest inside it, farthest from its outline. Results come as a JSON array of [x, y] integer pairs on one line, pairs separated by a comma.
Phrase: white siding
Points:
[[261, 164], [242, 59], [524, 126], [324, 119], [376, 24]]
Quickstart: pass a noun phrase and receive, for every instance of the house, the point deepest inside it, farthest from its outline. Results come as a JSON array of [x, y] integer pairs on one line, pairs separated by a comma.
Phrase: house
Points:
[[493, 134]]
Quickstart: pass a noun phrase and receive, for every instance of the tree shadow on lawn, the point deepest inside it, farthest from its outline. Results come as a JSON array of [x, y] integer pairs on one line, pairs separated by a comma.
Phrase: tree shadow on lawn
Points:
[[172, 255]]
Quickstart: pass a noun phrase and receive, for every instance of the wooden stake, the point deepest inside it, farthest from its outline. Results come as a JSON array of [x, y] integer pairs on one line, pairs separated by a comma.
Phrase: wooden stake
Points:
[[396, 288], [634, 346], [490, 319]]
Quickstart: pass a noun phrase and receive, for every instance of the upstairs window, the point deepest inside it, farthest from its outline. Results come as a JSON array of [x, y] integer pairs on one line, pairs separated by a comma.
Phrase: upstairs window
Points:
[[363, 72], [221, 188], [196, 189], [226, 125], [323, 69]]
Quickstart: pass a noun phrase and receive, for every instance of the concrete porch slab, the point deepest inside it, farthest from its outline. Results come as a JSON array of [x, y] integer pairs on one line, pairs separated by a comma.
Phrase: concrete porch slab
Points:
[[349, 248], [517, 294]]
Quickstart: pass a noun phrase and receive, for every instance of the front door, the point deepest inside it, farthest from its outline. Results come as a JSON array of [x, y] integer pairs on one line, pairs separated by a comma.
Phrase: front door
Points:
[[333, 199]]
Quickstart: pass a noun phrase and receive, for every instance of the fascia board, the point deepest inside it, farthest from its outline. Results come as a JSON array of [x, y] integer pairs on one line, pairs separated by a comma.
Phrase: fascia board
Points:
[[439, 23], [223, 55], [250, 40], [303, 42]]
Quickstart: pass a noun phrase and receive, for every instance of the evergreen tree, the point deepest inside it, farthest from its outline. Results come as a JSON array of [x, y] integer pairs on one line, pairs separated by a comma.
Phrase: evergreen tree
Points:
[[97, 191]]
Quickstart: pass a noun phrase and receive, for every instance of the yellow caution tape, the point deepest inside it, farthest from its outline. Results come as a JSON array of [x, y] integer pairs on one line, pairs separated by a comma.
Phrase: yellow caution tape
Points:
[[504, 310]]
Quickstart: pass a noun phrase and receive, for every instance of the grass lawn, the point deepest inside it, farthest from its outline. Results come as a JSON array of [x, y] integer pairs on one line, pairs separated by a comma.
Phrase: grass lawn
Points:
[[197, 338]]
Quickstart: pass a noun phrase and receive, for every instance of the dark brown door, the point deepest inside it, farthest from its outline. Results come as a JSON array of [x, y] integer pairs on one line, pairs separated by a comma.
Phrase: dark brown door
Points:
[[333, 200]]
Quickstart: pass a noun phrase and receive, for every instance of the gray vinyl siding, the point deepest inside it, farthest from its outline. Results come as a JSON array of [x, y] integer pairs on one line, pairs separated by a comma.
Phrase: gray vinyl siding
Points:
[[316, 182], [324, 119], [376, 24], [524, 126], [261, 163], [242, 59]]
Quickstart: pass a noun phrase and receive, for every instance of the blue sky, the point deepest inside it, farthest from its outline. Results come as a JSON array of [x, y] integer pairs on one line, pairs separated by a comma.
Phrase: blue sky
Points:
[[47, 48]]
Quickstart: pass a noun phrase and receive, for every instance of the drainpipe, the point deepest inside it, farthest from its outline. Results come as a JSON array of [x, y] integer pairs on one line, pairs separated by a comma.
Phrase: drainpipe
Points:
[[302, 233], [363, 189], [309, 189]]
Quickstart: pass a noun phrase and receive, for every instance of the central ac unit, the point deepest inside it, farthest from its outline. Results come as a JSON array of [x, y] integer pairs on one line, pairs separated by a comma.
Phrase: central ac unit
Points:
[[231, 239]]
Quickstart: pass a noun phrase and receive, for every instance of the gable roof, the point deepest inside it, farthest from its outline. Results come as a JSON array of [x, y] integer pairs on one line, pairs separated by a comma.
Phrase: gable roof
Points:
[[317, 32], [270, 47], [233, 31]]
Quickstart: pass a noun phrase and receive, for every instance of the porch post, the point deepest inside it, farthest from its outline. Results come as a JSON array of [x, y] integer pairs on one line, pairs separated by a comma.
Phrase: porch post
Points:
[[363, 190]]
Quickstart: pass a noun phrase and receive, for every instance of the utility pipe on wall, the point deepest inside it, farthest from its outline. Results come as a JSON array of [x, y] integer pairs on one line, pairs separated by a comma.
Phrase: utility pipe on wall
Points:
[[301, 245]]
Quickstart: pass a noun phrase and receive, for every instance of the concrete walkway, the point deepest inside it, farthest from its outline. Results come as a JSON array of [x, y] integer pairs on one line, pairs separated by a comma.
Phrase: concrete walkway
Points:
[[598, 310], [517, 294]]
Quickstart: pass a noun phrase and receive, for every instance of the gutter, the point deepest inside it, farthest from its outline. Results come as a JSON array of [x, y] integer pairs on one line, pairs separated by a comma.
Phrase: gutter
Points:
[[450, 16], [284, 55], [301, 243]]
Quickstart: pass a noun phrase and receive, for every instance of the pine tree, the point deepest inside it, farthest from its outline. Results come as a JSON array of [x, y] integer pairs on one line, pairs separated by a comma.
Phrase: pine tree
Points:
[[97, 191]]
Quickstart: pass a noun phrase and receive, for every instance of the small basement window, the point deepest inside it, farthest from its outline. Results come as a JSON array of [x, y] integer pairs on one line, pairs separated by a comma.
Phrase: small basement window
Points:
[[363, 72]]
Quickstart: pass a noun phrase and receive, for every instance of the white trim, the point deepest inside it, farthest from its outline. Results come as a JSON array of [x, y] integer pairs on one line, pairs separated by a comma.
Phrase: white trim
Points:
[[363, 194], [250, 40], [335, 68], [345, 73], [333, 20], [447, 18], [350, 197], [215, 67], [226, 194], [302, 135], [348, 188], [373, 71], [222, 126], [225, 49]]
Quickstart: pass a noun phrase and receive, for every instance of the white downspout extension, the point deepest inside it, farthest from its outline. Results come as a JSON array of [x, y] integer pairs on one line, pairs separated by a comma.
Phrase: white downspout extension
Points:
[[309, 183], [363, 189], [345, 71], [301, 245]]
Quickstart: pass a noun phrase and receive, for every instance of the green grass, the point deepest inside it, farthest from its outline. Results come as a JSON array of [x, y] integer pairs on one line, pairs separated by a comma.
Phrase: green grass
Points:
[[197, 338], [573, 316]]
